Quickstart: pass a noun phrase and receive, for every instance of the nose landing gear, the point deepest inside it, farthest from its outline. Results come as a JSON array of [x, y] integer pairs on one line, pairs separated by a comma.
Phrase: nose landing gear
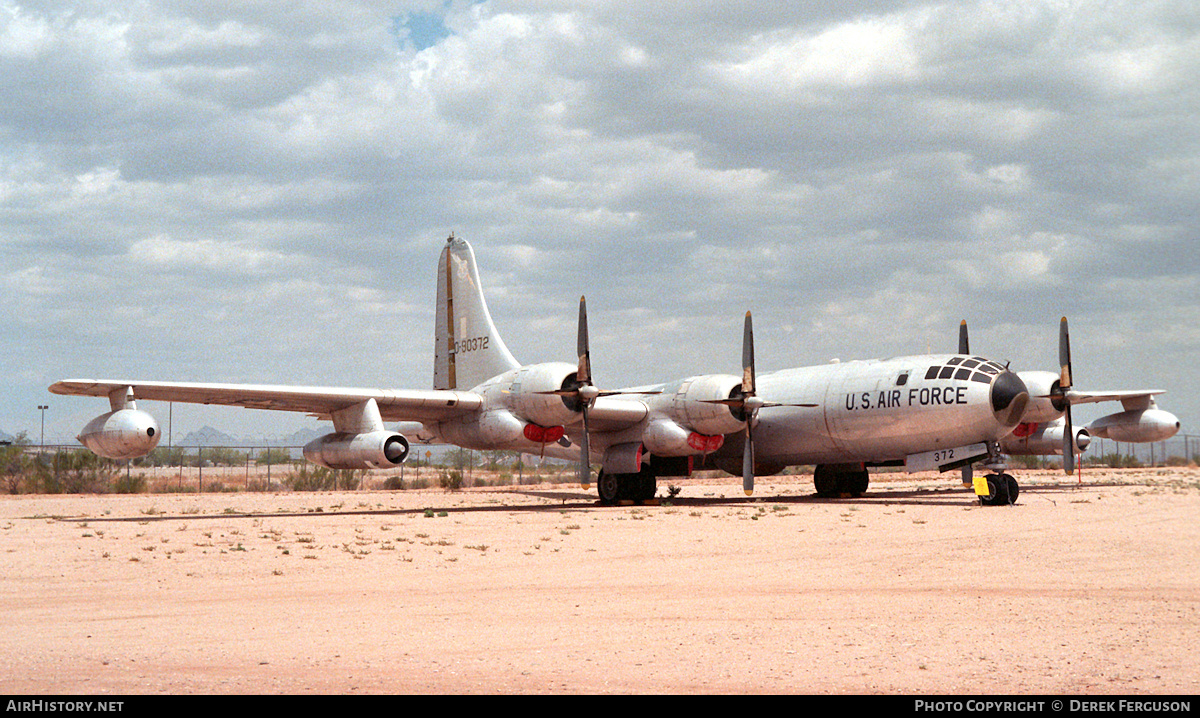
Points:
[[998, 488], [1001, 490]]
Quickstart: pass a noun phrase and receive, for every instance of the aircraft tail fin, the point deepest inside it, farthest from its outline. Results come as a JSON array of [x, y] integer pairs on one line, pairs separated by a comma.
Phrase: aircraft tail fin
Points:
[[468, 349]]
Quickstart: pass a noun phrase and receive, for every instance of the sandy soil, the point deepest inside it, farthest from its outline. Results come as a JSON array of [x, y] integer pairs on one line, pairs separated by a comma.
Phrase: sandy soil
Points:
[[916, 589]]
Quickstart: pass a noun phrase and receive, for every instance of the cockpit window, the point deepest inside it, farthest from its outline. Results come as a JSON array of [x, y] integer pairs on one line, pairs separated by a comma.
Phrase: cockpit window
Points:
[[963, 368]]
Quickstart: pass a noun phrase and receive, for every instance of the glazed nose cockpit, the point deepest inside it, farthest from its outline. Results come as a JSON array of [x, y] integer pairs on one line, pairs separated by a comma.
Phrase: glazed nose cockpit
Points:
[[1009, 395]]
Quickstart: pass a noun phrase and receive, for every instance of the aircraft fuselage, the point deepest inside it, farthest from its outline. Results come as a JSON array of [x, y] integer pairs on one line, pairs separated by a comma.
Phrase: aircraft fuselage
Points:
[[874, 411], [878, 411]]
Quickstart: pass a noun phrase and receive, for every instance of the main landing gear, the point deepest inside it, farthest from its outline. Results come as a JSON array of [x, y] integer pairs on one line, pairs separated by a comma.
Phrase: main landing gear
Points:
[[627, 487], [836, 480]]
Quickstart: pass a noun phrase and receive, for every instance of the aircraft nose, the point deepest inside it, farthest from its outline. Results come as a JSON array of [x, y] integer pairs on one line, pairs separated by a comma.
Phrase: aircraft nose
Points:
[[1009, 397]]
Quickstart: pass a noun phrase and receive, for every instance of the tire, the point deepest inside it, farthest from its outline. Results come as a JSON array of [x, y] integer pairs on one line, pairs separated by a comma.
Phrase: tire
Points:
[[826, 483], [1013, 489], [609, 487], [647, 485], [856, 483], [997, 491]]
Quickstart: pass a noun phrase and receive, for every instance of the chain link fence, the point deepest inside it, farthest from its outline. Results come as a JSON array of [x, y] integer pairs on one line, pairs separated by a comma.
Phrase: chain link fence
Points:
[[53, 469], [1179, 450]]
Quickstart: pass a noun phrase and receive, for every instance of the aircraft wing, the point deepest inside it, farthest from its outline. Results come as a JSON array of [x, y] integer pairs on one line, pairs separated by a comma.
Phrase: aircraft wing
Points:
[[616, 413], [1131, 400], [394, 404]]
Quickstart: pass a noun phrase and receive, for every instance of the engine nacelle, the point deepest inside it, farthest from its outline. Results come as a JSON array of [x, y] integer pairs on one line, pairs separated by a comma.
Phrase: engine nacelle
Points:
[[492, 429], [122, 434], [1041, 407], [1042, 439], [1140, 426], [527, 397], [664, 437], [375, 450], [694, 409]]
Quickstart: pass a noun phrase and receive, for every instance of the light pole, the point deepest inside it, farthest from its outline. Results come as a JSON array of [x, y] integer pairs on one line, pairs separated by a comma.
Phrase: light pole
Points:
[[42, 441]]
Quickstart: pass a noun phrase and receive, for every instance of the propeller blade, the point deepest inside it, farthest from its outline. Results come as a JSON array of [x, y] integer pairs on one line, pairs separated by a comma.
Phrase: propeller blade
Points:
[[602, 392], [1064, 355], [964, 347], [585, 461], [1068, 443], [584, 374], [749, 406], [583, 380], [748, 357], [748, 462], [1064, 385]]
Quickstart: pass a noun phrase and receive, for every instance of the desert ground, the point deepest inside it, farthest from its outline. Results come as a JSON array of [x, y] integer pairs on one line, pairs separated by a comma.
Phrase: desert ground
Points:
[[1085, 586]]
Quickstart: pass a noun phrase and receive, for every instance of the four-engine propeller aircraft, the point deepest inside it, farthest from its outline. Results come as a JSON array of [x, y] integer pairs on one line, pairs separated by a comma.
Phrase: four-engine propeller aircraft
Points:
[[921, 412]]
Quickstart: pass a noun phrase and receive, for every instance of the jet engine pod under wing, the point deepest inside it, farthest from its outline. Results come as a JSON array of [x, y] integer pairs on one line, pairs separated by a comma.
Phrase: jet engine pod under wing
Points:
[[1137, 425], [123, 434], [375, 450]]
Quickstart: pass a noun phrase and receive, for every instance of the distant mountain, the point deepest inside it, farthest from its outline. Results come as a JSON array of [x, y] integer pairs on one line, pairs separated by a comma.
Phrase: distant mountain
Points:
[[208, 436], [298, 438]]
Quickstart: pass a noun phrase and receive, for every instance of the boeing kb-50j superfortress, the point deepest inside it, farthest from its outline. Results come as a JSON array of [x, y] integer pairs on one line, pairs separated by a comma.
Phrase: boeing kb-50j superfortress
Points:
[[921, 412]]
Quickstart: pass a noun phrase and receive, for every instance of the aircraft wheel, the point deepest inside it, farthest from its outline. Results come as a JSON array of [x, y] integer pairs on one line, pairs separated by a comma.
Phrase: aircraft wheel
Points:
[[855, 483], [826, 483], [997, 491], [647, 485], [609, 487], [1013, 489]]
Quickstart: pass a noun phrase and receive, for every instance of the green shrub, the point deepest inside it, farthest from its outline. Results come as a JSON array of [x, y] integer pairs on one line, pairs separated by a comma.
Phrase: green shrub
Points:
[[451, 480], [130, 484]]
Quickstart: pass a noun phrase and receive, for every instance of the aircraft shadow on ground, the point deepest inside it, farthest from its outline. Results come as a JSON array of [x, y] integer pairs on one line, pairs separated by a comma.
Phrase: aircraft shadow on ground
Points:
[[567, 500], [580, 500]]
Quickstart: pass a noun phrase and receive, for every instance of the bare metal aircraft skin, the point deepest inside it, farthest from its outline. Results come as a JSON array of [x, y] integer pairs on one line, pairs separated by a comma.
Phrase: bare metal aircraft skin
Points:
[[927, 412]]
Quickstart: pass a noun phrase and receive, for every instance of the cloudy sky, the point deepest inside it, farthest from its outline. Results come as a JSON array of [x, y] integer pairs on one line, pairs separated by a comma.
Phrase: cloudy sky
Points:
[[258, 192]]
